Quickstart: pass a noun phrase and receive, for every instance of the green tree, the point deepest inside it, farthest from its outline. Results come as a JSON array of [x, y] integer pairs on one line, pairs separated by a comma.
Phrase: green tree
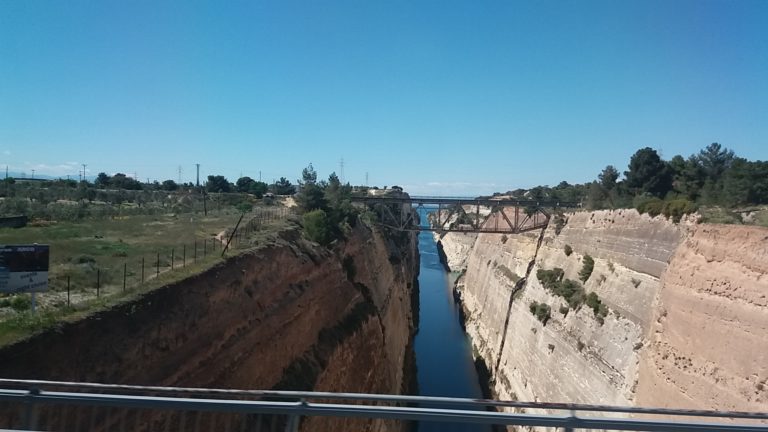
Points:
[[311, 197], [218, 183], [283, 187], [596, 197], [258, 189], [308, 175], [608, 177], [688, 176], [244, 184], [102, 180], [648, 173], [745, 183], [715, 159], [170, 185]]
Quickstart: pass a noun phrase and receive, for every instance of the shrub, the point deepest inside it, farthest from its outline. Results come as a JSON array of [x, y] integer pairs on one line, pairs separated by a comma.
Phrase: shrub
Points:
[[677, 208], [636, 282], [580, 345], [599, 309], [20, 303], [550, 278], [316, 226], [573, 293], [564, 310], [586, 270], [504, 239], [568, 250], [559, 221], [651, 205], [570, 290], [542, 311]]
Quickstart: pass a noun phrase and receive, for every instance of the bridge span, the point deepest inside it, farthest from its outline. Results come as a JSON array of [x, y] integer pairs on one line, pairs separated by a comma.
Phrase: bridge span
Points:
[[454, 214]]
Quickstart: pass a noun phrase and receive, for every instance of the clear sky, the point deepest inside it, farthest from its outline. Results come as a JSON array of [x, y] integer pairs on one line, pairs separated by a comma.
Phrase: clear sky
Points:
[[448, 97]]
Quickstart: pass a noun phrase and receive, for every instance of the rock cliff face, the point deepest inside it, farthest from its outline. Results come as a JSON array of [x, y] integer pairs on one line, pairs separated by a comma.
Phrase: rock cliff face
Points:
[[290, 316], [681, 300], [709, 341]]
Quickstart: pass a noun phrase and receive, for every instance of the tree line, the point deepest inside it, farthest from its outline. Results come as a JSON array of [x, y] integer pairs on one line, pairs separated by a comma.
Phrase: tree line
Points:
[[714, 176]]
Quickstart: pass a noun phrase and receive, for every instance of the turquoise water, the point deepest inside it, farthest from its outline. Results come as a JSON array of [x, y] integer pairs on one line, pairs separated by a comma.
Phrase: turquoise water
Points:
[[443, 354]]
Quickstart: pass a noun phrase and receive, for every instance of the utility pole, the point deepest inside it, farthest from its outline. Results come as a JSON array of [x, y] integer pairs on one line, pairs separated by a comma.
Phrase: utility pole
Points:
[[198, 175], [83, 178], [179, 174], [366, 178], [6, 171], [259, 175], [341, 171], [33, 174]]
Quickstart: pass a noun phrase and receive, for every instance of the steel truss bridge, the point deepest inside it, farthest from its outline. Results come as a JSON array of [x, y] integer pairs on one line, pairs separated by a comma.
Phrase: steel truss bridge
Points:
[[48, 406], [502, 216]]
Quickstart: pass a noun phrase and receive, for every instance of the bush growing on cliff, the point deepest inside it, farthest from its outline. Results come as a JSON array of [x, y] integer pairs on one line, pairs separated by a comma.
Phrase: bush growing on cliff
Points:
[[571, 291], [541, 311], [559, 221], [568, 250], [599, 309], [586, 269], [550, 279], [316, 226]]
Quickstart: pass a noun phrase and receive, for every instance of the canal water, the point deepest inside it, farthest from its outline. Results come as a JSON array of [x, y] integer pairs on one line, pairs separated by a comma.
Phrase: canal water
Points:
[[443, 354]]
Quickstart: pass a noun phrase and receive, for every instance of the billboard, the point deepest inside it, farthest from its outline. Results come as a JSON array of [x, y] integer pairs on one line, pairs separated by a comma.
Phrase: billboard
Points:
[[24, 268]]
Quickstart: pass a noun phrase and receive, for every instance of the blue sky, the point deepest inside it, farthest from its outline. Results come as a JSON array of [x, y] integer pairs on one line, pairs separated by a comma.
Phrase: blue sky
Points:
[[448, 97]]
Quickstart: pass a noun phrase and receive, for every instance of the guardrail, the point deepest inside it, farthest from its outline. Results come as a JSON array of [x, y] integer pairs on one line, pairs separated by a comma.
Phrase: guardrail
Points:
[[48, 405]]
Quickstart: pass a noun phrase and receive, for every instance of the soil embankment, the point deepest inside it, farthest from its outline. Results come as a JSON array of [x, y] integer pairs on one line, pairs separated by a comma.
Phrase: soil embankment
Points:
[[293, 315]]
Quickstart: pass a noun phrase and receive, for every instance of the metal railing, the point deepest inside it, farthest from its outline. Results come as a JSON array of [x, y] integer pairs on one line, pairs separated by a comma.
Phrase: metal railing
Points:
[[48, 405]]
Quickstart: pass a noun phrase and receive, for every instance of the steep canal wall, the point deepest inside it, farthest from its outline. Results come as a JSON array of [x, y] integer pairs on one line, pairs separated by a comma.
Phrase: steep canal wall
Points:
[[682, 324], [293, 315]]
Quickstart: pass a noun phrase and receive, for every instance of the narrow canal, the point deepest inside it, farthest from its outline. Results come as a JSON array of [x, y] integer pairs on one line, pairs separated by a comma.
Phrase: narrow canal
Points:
[[443, 354]]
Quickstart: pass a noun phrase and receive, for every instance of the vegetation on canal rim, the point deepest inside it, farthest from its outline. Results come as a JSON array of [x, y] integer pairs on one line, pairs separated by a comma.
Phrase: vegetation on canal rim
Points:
[[715, 177], [79, 249]]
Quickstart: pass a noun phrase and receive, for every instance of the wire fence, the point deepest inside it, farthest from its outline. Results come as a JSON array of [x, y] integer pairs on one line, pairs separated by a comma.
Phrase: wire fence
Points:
[[91, 281]]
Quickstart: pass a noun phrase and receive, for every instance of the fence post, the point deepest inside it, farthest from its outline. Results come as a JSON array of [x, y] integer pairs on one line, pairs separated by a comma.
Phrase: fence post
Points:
[[195, 250], [98, 281], [184, 256], [172, 257], [125, 271], [68, 290], [205, 247], [142, 269], [158, 265]]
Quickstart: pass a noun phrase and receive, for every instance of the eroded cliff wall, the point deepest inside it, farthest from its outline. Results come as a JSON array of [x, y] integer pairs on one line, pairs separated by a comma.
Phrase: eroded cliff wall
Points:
[[293, 315], [714, 277], [709, 341]]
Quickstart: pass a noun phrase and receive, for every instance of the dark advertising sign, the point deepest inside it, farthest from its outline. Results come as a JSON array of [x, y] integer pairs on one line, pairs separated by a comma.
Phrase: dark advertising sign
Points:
[[23, 268]]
